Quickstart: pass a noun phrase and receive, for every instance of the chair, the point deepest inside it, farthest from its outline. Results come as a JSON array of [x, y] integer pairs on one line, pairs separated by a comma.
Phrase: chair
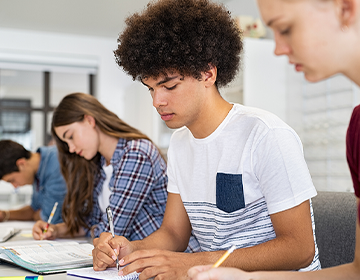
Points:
[[335, 223]]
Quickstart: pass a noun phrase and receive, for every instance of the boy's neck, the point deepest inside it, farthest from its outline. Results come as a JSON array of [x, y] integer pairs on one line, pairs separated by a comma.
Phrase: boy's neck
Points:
[[214, 113], [34, 162]]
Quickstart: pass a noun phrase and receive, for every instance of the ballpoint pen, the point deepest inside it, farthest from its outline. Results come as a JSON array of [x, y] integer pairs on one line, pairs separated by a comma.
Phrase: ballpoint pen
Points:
[[111, 223], [50, 217], [224, 257]]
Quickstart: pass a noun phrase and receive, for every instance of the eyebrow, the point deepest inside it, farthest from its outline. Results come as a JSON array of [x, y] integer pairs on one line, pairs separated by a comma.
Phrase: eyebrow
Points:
[[165, 80], [270, 22]]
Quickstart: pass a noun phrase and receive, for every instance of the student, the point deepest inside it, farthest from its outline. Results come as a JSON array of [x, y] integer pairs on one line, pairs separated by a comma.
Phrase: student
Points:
[[20, 167], [321, 38], [237, 175], [105, 162]]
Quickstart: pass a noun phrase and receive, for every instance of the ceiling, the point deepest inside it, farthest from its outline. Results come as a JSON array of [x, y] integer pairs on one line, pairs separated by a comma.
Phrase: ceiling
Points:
[[103, 18]]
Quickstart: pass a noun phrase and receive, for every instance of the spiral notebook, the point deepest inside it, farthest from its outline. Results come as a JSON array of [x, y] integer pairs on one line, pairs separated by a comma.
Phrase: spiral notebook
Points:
[[108, 274]]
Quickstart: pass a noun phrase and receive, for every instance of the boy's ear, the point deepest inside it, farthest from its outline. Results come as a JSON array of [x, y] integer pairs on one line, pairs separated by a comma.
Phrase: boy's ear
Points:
[[210, 76], [21, 163], [349, 10]]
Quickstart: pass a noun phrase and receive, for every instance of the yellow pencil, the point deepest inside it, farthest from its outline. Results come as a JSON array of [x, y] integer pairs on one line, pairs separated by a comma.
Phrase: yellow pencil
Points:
[[224, 257], [50, 217]]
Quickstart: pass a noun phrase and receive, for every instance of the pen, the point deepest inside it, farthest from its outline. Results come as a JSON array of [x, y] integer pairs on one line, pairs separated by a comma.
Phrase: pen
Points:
[[50, 217], [224, 257], [23, 277], [111, 223]]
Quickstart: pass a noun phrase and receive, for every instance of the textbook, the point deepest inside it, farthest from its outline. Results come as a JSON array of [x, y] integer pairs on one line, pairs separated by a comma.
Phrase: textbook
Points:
[[108, 274], [45, 257]]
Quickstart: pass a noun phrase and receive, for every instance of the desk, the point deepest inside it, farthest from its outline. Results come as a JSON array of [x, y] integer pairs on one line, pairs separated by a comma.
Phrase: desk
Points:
[[13, 270]]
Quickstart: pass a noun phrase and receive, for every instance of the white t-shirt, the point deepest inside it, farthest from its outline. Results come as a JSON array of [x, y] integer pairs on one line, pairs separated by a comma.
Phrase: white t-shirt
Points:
[[251, 166], [104, 196]]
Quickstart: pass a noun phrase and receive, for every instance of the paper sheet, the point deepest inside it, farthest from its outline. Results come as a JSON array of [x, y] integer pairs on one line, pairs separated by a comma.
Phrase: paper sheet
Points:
[[108, 274]]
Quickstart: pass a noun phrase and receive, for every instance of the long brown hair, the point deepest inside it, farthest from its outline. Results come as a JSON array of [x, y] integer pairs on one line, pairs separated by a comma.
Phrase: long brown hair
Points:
[[78, 172]]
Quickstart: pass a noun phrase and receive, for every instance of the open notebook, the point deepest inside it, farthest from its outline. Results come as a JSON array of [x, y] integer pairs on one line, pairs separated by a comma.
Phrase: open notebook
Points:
[[44, 257], [108, 274]]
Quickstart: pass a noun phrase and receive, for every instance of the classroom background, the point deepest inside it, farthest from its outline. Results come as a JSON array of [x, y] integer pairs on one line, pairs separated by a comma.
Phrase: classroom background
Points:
[[51, 48]]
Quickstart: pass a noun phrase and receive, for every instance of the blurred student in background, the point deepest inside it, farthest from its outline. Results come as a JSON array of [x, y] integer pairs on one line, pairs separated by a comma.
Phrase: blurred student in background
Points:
[[41, 169], [321, 38]]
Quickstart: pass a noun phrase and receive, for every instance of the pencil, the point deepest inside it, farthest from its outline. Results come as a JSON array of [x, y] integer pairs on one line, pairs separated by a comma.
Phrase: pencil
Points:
[[50, 217], [224, 257]]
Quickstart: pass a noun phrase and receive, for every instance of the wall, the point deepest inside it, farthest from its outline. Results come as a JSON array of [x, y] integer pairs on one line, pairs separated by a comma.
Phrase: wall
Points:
[[111, 84], [320, 113], [263, 87]]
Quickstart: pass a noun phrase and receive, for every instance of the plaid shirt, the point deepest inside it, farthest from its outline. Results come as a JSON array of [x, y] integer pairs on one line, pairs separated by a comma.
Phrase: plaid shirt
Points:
[[138, 191]]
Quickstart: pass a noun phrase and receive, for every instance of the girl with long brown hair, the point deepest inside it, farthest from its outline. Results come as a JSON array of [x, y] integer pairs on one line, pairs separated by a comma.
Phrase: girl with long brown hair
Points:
[[105, 162]]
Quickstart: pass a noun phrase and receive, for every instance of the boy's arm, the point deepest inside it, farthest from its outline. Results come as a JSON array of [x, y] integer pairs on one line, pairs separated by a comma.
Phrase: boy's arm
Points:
[[174, 232], [25, 213]]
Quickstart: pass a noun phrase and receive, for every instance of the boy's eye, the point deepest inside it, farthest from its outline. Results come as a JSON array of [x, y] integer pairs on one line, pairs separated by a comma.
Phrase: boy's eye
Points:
[[171, 88]]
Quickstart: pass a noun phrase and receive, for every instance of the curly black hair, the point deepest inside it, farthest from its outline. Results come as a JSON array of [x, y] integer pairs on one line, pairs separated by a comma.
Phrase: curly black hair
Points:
[[182, 36]]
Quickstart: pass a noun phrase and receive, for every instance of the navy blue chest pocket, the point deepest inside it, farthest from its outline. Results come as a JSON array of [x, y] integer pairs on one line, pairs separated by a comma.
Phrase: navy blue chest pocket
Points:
[[229, 192]]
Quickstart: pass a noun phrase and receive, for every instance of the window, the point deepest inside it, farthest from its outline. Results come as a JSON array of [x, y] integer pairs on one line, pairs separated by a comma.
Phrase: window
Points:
[[29, 96]]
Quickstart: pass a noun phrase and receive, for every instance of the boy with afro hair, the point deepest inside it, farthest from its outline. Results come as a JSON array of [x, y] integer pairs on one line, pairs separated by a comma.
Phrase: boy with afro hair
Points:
[[237, 175]]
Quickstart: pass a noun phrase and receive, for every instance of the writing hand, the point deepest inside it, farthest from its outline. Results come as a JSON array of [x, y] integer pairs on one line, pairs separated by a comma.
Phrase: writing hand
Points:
[[106, 249], [38, 229]]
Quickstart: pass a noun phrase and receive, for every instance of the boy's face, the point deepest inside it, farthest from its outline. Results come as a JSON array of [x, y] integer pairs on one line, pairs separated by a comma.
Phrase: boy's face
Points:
[[179, 100], [20, 178]]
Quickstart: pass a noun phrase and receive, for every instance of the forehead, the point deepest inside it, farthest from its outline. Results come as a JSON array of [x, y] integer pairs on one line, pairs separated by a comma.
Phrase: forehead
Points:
[[271, 9], [161, 79], [64, 129]]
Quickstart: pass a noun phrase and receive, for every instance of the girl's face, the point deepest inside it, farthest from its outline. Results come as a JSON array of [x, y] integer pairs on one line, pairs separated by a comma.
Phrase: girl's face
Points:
[[308, 32], [81, 137]]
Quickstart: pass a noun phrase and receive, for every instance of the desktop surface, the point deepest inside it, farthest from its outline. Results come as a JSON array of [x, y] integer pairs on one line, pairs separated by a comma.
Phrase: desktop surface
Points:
[[7, 269]]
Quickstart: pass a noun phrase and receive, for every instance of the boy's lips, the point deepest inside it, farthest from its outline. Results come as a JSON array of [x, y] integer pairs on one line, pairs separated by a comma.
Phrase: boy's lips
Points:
[[166, 116]]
